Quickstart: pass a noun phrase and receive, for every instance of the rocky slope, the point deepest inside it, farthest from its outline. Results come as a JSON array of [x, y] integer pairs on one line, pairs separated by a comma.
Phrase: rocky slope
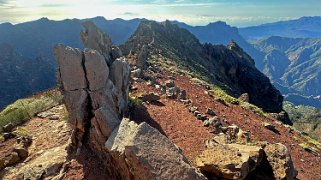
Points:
[[305, 118], [294, 66], [226, 66], [222, 33]]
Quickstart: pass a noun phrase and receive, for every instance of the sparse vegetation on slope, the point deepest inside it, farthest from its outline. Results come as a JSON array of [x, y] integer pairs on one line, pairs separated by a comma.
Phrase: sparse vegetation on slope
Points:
[[24, 109], [305, 118]]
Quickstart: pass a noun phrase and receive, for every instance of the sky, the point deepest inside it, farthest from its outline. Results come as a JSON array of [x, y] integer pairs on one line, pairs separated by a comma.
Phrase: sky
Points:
[[238, 13]]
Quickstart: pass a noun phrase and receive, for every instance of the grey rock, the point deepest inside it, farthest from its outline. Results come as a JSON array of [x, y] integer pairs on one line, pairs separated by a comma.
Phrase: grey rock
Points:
[[104, 122], [96, 69], [170, 83], [93, 38], [53, 117], [209, 111], [206, 123], [77, 103], [116, 52], [70, 64], [192, 109], [271, 127], [136, 73], [8, 135], [149, 154], [119, 75], [182, 95], [244, 97], [201, 117], [142, 57], [196, 113]]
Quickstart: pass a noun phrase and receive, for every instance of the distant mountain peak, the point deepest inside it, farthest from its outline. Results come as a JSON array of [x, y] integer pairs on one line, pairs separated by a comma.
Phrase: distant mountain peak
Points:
[[218, 23]]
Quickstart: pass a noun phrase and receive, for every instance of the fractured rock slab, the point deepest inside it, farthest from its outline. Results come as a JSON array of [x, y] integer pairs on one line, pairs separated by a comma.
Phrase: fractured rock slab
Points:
[[149, 154]]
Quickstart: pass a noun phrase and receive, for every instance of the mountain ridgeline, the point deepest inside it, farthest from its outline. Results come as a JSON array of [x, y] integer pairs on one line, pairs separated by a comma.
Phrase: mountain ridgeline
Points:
[[226, 66], [304, 27], [33, 41]]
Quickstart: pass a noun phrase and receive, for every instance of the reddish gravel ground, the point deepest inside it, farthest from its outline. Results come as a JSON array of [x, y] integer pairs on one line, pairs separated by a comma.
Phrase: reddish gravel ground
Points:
[[307, 164], [173, 119]]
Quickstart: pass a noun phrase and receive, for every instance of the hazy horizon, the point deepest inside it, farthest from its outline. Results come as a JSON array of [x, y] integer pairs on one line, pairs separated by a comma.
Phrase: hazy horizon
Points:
[[238, 13]]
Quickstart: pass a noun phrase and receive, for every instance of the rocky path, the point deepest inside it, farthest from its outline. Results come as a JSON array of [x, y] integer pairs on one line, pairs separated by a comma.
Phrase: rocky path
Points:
[[47, 152]]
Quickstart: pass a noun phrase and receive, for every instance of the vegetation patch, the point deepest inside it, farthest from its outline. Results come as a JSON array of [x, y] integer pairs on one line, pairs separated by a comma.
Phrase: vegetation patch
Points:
[[21, 131], [135, 99], [305, 118], [221, 95], [253, 108], [1, 138], [24, 109]]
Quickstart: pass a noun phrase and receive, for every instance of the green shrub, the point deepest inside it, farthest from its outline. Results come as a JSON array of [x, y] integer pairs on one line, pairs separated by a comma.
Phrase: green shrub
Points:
[[1, 138], [65, 114], [221, 95], [253, 108], [135, 99], [24, 109], [21, 131]]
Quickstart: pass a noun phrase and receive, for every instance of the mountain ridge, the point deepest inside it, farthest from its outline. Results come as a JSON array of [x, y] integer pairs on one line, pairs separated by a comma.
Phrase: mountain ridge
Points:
[[229, 66]]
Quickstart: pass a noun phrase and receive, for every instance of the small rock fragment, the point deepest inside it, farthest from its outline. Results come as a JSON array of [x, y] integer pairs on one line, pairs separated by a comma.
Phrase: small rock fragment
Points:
[[8, 128], [209, 111], [170, 83]]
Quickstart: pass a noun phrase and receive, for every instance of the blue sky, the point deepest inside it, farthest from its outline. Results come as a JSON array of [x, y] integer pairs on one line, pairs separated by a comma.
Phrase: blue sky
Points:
[[235, 12]]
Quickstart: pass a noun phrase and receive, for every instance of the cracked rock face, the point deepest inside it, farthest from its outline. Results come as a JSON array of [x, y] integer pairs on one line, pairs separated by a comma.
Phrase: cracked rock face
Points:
[[95, 88], [98, 100], [93, 38]]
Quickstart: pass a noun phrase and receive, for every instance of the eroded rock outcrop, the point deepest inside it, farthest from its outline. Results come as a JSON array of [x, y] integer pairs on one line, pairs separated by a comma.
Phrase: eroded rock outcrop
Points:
[[233, 155], [95, 88]]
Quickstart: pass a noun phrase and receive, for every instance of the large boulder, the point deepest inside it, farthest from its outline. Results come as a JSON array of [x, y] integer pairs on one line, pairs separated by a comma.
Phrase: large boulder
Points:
[[225, 154], [71, 71], [232, 161], [45, 166], [149, 154], [280, 160]]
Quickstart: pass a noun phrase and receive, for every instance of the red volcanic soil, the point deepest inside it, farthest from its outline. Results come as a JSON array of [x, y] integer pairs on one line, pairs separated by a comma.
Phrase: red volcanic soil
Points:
[[173, 119]]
